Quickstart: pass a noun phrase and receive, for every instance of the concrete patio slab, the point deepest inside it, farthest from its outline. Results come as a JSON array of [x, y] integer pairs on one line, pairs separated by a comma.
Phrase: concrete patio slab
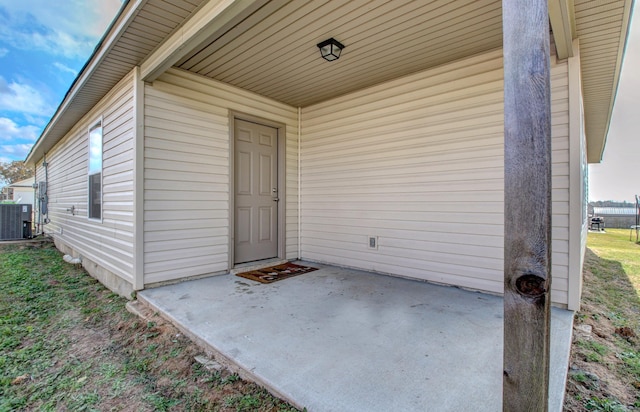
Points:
[[345, 340]]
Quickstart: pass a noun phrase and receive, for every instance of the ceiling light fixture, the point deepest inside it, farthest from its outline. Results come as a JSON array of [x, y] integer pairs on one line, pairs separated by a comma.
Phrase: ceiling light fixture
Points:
[[330, 49]]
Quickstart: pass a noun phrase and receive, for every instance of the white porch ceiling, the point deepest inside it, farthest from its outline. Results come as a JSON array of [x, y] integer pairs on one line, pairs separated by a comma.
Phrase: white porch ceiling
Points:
[[275, 54]]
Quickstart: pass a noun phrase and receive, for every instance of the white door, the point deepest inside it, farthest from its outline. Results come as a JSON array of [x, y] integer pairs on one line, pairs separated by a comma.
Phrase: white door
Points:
[[256, 191]]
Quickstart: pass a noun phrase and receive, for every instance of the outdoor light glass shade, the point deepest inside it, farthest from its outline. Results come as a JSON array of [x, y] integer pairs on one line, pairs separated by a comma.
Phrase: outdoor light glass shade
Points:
[[330, 49]]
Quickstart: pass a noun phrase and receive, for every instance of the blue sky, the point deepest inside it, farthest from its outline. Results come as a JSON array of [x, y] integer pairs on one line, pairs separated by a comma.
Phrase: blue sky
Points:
[[44, 43]]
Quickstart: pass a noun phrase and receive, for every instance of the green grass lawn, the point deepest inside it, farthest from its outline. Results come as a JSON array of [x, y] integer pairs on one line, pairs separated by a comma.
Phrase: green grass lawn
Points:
[[68, 344], [605, 363], [614, 244]]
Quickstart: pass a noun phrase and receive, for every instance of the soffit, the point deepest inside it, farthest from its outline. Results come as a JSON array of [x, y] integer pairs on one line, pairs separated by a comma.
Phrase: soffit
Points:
[[274, 53], [601, 27]]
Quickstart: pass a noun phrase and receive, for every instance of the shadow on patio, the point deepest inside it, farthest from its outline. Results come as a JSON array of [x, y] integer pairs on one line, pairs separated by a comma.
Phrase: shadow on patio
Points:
[[345, 340]]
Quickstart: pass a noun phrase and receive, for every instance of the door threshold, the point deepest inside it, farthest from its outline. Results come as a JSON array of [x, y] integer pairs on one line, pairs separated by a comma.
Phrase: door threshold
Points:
[[256, 265]]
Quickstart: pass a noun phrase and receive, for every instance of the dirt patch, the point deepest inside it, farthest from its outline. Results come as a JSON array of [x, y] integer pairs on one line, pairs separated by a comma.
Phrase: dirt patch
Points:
[[627, 333], [158, 370], [69, 344]]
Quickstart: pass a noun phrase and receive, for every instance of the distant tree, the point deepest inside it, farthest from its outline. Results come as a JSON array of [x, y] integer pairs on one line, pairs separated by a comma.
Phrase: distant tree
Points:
[[11, 172], [610, 203]]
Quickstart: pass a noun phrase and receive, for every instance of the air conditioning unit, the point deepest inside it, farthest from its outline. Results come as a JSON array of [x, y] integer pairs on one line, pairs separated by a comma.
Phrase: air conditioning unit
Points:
[[15, 221]]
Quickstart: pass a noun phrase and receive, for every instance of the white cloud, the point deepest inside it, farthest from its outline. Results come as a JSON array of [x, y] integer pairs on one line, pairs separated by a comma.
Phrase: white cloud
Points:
[[64, 68], [10, 130], [57, 43], [15, 151], [39, 121], [18, 139], [4, 87], [3, 52], [20, 97], [71, 30]]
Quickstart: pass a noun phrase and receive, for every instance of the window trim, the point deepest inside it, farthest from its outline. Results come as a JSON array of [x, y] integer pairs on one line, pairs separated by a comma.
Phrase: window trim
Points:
[[97, 124]]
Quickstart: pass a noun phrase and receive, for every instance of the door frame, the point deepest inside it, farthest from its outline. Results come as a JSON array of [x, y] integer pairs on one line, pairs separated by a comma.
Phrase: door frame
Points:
[[282, 180]]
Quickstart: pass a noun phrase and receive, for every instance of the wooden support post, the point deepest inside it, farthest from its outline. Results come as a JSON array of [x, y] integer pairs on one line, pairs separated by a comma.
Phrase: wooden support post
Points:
[[527, 215]]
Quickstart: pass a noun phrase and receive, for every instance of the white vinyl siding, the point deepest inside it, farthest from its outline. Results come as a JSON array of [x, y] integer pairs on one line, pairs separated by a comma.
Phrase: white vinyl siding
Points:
[[418, 162], [186, 176], [108, 243]]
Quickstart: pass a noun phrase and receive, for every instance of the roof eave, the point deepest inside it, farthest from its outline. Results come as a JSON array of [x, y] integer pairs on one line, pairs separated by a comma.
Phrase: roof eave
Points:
[[596, 145], [125, 16]]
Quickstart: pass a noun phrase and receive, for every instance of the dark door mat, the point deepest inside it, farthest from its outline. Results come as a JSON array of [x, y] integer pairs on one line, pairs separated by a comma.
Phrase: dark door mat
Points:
[[275, 273]]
